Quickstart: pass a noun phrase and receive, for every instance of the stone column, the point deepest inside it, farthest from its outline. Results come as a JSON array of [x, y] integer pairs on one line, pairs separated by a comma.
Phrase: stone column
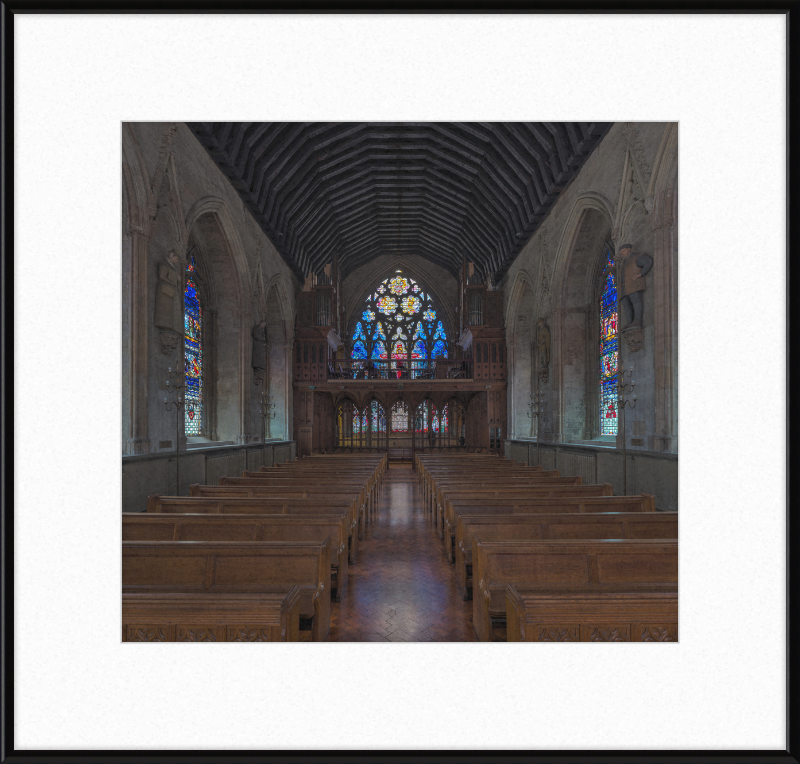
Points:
[[511, 367], [139, 441], [245, 352], [665, 289], [557, 360]]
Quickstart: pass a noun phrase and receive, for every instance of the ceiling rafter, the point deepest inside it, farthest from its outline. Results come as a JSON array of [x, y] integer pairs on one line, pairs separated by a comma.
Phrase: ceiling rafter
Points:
[[367, 189]]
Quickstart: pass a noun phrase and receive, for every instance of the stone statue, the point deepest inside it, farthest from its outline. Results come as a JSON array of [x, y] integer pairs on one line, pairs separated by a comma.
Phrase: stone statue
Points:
[[543, 346], [259, 357], [166, 310], [635, 266]]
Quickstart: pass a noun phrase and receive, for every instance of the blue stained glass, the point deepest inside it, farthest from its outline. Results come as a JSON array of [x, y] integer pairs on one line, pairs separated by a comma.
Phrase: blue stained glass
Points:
[[609, 352], [439, 350], [405, 311], [359, 350], [192, 353]]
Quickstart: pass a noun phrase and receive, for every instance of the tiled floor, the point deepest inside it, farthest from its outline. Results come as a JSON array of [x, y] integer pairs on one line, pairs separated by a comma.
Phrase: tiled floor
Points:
[[402, 589]]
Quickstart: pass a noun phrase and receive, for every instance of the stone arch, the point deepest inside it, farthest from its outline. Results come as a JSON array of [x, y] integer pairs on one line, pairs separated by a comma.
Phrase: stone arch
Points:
[[386, 270], [570, 408], [136, 202], [222, 265]]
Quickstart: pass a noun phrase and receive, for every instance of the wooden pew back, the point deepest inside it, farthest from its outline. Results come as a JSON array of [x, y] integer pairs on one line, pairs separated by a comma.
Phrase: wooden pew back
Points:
[[271, 615], [603, 613], [497, 563], [233, 566], [529, 527]]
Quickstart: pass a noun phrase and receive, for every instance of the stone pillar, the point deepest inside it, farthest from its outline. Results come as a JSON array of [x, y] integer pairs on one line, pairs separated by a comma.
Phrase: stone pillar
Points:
[[665, 295], [557, 360], [139, 441], [245, 371], [513, 389], [288, 411]]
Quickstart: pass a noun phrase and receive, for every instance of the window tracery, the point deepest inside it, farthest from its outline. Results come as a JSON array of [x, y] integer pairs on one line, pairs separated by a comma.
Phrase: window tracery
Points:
[[398, 309]]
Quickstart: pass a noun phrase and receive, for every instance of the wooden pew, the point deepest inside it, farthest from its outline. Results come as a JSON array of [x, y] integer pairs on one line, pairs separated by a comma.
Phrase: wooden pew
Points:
[[601, 613], [488, 482], [559, 499], [271, 615], [218, 527], [519, 527], [272, 505], [428, 467], [494, 488], [365, 469], [227, 567], [266, 492], [258, 479], [362, 481], [498, 471], [609, 561]]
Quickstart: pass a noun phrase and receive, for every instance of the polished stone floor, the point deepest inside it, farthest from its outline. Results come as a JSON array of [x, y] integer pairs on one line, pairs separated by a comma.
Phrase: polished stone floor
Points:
[[402, 588]]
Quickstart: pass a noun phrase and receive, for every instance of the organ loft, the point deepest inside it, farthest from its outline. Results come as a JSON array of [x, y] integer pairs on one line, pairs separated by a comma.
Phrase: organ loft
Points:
[[399, 382]]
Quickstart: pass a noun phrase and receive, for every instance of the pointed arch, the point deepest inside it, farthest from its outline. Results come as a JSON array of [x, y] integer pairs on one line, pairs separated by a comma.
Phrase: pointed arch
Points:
[[386, 270]]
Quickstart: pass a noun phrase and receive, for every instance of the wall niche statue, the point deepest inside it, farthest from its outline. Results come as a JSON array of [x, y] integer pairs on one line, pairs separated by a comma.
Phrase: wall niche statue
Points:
[[259, 355], [167, 304], [543, 349], [635, 266]]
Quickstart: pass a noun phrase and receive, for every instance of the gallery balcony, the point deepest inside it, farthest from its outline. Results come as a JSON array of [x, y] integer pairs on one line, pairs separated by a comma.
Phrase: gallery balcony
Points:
[[399, 370]]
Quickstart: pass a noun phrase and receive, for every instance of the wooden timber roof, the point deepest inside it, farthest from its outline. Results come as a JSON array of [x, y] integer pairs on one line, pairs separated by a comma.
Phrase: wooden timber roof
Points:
[[365, 189]]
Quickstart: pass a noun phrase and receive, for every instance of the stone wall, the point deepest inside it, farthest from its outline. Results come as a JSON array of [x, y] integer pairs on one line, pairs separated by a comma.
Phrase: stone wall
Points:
[[626, 192], [155, 473], [176, 204]]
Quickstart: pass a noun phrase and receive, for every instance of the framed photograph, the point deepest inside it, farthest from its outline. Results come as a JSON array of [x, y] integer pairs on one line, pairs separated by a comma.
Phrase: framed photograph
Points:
[[427, 326]]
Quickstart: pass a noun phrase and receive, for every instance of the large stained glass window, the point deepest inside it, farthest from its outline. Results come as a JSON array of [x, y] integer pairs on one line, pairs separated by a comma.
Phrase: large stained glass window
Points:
[[399, 324], [193, 351], [609, 351]]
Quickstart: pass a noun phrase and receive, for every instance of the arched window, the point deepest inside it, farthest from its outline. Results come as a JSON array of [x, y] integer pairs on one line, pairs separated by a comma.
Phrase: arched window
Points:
[[398, 328], [609, 351], [193, 351], [400, 417]]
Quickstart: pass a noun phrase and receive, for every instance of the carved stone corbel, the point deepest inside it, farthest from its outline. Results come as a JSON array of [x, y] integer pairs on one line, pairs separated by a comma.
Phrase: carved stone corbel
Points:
[[169, 341], [634, 338]]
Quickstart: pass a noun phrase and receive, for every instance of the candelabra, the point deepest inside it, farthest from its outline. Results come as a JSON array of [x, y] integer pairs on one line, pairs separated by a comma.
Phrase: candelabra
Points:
[[267, 410], [534, 410], [626, 398], [177, 405]]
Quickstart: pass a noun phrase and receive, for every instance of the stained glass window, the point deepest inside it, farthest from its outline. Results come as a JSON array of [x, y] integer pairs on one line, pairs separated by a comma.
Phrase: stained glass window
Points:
[[609, 351], [439, 350], [405, 311], [378, 417], [387, 305], [193, 352], [400, 417]]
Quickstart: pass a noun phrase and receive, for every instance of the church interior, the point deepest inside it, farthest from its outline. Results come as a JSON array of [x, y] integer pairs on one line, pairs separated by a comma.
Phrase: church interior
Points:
[[400, 381]]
